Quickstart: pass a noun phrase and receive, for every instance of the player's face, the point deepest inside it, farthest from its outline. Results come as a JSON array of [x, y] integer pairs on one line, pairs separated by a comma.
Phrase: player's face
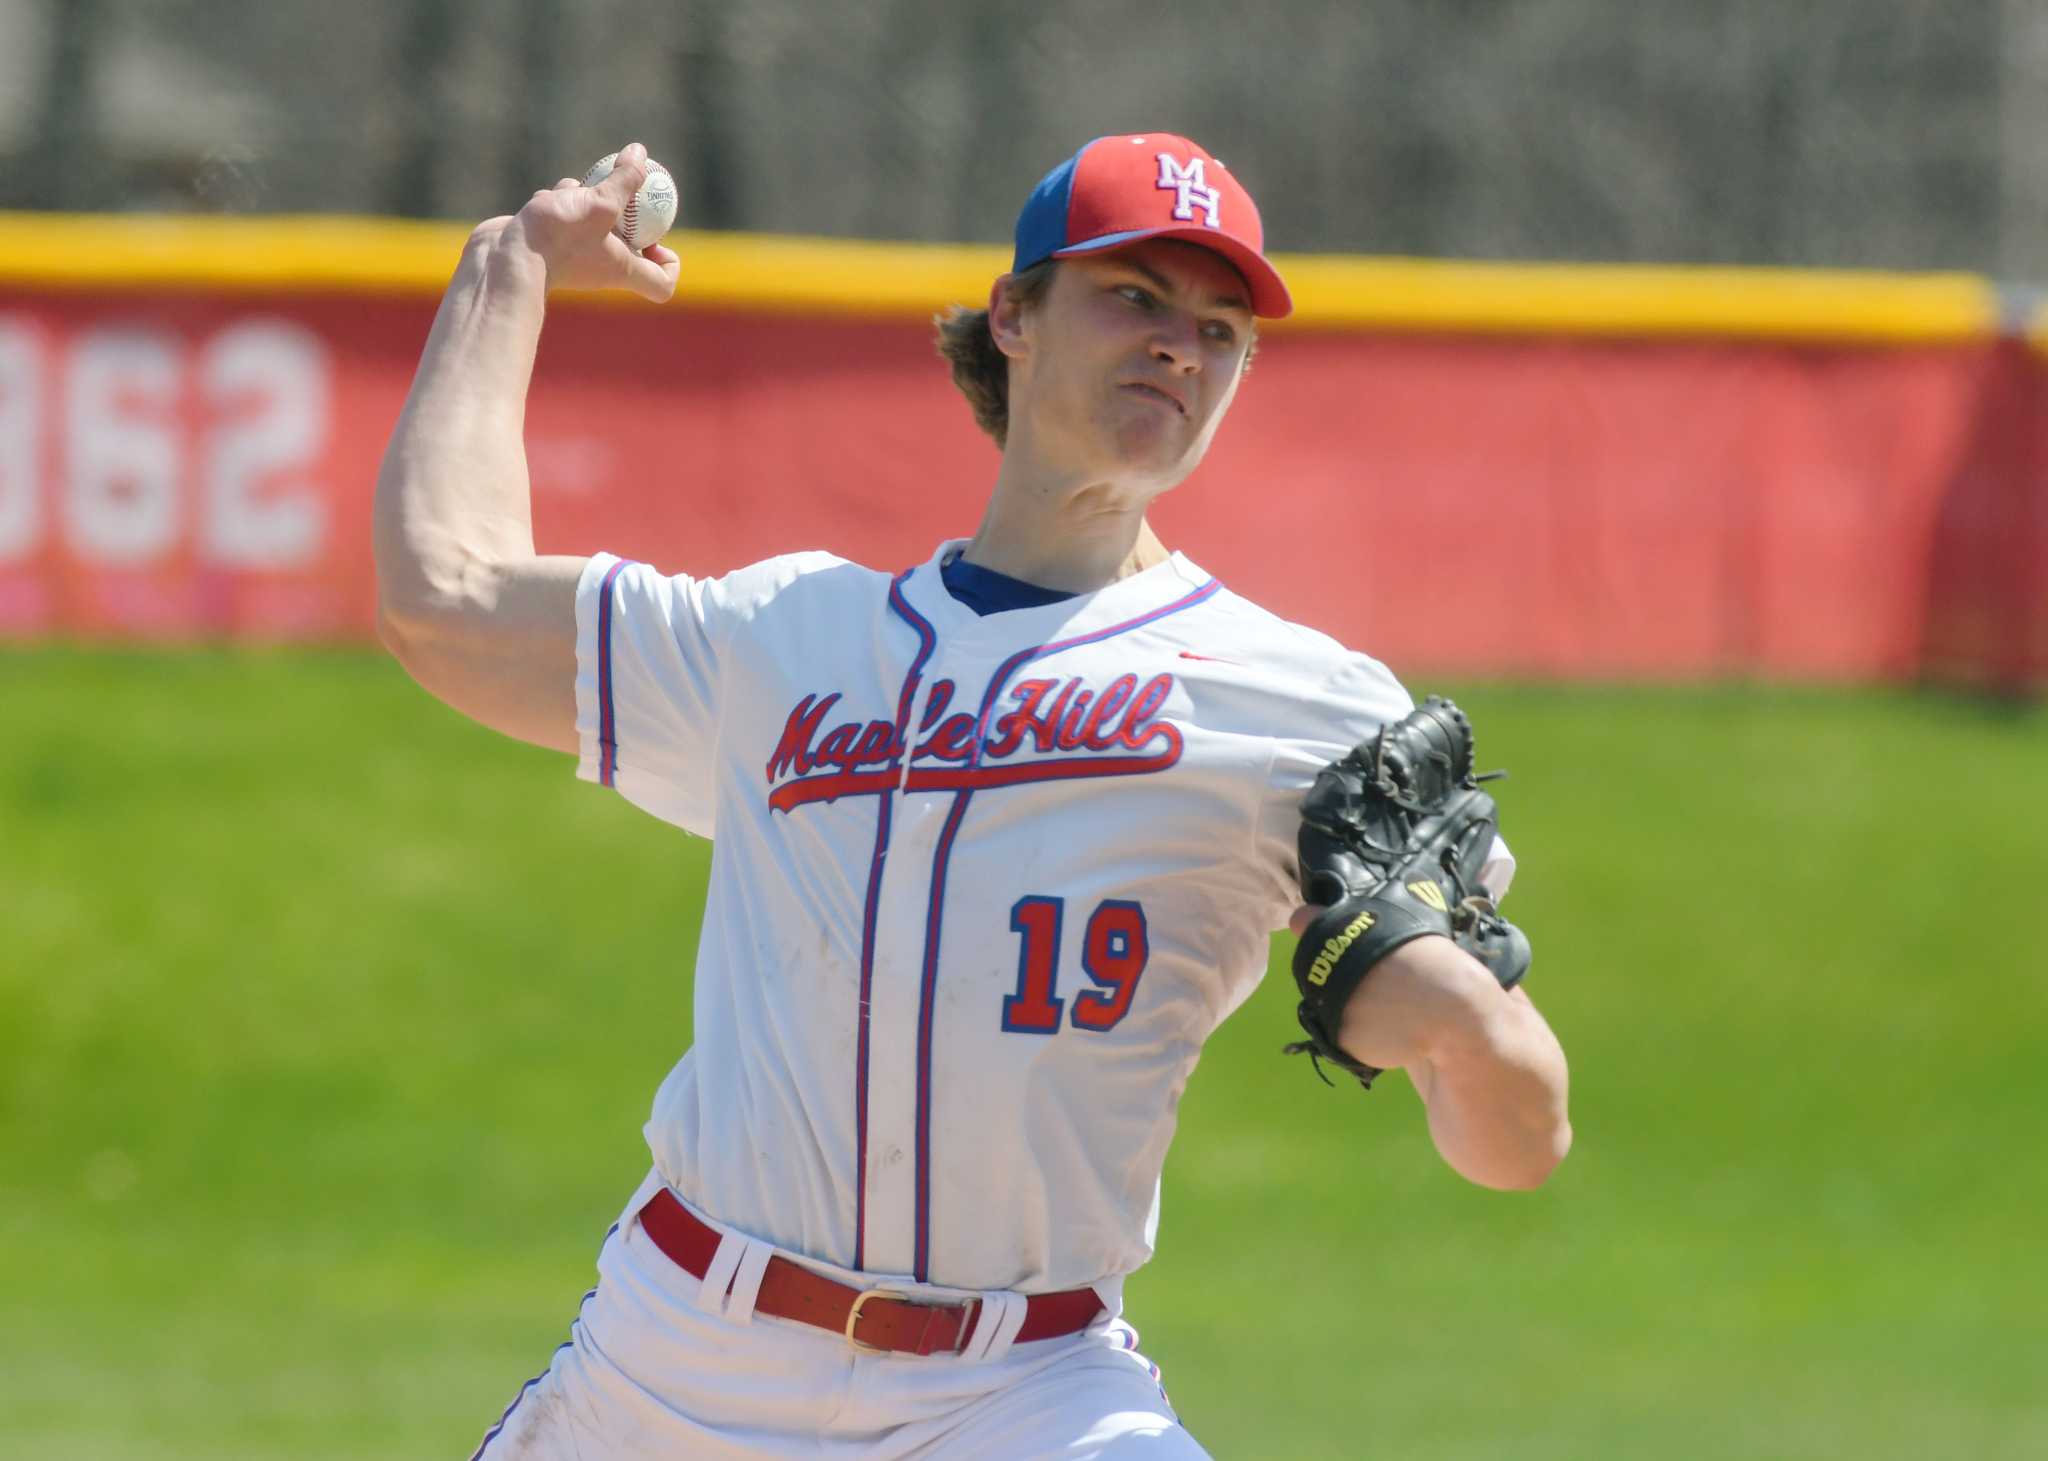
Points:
[[1131, 360]]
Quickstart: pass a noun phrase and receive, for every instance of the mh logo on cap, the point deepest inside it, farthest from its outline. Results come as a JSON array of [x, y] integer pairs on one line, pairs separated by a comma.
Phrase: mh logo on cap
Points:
[[1192, 188]]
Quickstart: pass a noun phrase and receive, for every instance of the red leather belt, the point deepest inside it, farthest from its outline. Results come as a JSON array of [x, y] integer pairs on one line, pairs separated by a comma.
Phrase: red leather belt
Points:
[[873, 1320]]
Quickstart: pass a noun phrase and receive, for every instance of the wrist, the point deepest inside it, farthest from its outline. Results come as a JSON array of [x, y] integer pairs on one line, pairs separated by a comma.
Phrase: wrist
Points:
[[502, 260], [1435, 995]]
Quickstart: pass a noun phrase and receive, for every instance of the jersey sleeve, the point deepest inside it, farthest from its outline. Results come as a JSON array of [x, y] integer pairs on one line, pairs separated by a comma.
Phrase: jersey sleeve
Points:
[[1351, 698], [651, 652]]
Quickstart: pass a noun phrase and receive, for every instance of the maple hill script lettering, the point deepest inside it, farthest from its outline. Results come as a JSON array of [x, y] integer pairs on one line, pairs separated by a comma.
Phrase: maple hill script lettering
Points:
[[1074, 731]]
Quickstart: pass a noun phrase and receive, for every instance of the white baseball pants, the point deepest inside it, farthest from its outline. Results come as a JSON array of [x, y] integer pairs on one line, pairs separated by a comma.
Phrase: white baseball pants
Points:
[[657, 1367]]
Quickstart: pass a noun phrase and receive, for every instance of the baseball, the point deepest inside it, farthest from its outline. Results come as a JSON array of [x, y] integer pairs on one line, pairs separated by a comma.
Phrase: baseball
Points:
[[650, 213]]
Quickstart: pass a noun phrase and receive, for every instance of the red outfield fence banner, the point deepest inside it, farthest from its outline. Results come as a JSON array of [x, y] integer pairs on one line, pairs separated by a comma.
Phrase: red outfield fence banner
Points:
[[1496, 470]]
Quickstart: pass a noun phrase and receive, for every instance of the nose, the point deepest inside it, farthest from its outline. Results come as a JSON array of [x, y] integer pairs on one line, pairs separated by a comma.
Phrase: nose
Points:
[[1177, 343]]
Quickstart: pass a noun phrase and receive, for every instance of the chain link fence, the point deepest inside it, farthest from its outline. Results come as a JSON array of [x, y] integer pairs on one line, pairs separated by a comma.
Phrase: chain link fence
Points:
[[1827, 132]]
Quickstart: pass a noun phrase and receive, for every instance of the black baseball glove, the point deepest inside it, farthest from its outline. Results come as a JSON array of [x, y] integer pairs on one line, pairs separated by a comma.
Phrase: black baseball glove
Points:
[[1393, 837]]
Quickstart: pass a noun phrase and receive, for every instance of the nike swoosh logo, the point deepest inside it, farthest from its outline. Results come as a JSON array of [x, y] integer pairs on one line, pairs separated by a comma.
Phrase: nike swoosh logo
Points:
[[1212, 659]]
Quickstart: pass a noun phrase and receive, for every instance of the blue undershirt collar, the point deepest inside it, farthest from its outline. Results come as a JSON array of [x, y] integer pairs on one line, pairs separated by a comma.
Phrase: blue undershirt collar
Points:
[[987, 592]]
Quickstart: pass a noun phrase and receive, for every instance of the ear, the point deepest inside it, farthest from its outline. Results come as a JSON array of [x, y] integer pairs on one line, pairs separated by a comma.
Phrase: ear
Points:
[[1006, 318]]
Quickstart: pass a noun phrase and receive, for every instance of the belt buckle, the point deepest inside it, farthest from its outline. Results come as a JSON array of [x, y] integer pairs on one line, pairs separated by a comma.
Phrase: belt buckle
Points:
[[853, 1317], [861, 1346]]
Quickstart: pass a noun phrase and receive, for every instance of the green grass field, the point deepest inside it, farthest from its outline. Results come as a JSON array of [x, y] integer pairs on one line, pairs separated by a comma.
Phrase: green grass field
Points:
[[327, 1024]]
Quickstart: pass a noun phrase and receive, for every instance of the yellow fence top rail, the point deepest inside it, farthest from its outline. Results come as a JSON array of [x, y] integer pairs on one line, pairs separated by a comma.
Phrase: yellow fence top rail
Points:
[[322, 253]]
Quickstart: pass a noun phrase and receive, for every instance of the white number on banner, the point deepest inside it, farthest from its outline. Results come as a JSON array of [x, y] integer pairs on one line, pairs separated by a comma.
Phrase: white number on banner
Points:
[[284, 367], [134, 470], [21, 420], [121, 434]]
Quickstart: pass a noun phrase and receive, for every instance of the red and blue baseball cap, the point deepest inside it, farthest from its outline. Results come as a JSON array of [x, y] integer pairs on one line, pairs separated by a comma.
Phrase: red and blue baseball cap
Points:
[[1118, 191]]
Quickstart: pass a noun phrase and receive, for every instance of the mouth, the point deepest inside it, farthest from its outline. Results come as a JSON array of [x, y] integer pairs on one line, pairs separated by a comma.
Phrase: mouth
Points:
[[1157, 393]]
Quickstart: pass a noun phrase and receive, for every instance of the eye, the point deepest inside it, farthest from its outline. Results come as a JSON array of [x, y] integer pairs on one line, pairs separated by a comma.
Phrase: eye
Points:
[[1137, 295], [1220, 331]]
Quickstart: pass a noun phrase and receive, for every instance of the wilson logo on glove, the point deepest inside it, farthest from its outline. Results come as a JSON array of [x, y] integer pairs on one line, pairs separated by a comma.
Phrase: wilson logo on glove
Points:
[[1333, 949]]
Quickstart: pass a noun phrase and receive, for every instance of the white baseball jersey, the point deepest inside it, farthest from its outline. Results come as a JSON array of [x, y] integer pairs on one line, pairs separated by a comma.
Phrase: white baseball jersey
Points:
[[980, 889]]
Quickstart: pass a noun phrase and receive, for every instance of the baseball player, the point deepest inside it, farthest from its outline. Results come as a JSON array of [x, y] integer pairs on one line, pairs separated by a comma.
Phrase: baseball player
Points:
[[998, 841]]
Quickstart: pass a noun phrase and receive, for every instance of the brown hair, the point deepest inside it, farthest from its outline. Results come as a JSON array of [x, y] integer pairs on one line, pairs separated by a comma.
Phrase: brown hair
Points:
[[980, 370]]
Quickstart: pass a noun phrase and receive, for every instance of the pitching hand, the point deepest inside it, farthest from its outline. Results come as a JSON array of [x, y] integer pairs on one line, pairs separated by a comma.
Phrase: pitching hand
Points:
[[569, 227]]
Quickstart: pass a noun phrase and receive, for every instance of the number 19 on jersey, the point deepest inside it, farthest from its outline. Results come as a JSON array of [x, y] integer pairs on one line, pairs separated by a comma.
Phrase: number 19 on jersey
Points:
[[1113, 955]]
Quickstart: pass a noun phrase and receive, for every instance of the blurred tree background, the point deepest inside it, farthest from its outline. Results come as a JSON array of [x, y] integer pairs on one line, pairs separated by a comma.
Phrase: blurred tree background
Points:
[[1830, 132]]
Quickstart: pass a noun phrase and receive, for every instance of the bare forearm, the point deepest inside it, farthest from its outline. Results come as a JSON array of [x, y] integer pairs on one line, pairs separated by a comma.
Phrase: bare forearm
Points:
[[463, 602], [452, 497], [1496, 1093], [1485, 1063]]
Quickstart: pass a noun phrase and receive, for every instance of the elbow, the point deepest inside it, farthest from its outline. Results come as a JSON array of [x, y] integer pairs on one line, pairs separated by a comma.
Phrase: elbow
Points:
[[424, 583], [398, 630], [415, 635], [1529, 1167], [419, 602], [399, 583], [389, 634]]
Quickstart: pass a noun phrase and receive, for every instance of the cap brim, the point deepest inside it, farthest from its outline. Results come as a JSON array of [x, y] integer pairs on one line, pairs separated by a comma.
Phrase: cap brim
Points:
[[1270, 299]]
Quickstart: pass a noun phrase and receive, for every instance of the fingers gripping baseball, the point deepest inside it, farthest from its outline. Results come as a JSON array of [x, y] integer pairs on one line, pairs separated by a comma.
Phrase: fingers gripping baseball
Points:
[[572, 227]]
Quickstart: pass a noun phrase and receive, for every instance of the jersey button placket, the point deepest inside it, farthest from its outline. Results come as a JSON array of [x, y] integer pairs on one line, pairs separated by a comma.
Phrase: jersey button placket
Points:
[[900, 917]]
